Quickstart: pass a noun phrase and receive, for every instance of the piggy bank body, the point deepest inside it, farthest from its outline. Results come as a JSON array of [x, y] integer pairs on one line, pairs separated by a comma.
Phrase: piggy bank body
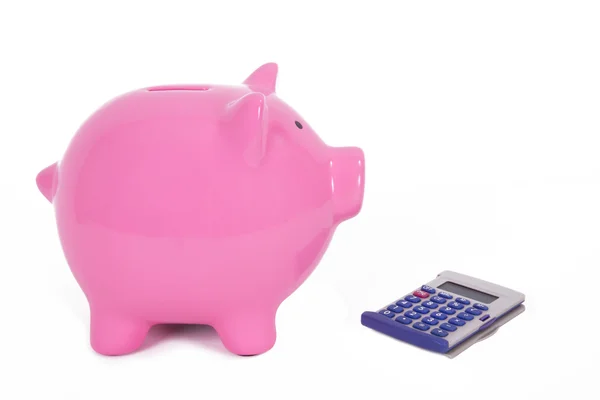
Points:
[[197, 204]]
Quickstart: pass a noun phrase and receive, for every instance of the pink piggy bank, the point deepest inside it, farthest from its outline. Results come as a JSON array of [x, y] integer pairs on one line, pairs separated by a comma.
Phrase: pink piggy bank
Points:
[[198, 204]]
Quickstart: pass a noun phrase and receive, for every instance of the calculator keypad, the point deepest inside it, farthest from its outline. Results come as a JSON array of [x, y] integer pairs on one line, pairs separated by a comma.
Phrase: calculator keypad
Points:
[[437, 308]]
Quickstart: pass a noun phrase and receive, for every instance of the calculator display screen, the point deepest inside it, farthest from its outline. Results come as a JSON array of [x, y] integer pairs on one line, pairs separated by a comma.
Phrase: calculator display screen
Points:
[[467, 292]]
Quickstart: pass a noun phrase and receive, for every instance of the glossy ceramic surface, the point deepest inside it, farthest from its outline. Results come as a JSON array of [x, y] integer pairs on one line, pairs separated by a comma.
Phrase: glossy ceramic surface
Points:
[[201, 204]]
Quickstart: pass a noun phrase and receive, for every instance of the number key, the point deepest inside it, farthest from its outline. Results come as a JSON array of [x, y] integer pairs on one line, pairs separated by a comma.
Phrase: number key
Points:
[[405, 304], [395, 308], [430, 321], [430, 304], [447, 310], [412, 299], [439, 315], [387, 313], [412, 314]]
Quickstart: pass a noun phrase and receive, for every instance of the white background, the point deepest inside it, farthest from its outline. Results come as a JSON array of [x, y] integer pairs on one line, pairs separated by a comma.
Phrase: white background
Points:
[[480, 125]]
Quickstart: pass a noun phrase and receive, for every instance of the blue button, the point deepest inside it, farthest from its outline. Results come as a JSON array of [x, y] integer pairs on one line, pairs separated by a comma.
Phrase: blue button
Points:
[[457, 322], [428, 289], [395, 308], [447, 310], [420, 326], [421, 310], [438, 299], [430, 304], [430, 321], [412, 299], [387, 313], [465, 316], [455, 305], [404, 320], [439, 315], [462, 300], [448, 327], [404, 303], [445, 295], [473, 311], [412, 314], [439, 332], [480, 306]]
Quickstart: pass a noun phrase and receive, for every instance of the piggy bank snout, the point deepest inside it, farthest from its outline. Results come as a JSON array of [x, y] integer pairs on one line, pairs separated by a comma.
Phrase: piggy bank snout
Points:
[[347, 181]]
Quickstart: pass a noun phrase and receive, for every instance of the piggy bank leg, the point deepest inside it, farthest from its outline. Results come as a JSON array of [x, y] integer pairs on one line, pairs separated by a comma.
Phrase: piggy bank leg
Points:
[[247, 333], [114, 335]]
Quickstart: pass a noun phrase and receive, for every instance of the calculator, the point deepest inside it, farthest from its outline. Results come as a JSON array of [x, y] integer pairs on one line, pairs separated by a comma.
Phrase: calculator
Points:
[[445, 312]]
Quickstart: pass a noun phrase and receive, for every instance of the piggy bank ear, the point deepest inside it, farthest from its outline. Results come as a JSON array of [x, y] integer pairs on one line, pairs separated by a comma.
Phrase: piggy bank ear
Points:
[[263, 80], [246, 123]]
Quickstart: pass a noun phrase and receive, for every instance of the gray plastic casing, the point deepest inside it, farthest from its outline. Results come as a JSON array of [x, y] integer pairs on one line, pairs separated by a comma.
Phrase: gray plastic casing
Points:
[[508, 300]]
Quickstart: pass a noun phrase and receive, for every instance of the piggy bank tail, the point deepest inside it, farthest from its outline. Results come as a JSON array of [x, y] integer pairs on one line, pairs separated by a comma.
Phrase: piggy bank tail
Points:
[[47, 181]]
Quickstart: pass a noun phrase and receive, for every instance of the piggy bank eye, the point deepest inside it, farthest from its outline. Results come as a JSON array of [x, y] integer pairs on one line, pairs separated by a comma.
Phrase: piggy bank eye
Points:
[[299, 125]]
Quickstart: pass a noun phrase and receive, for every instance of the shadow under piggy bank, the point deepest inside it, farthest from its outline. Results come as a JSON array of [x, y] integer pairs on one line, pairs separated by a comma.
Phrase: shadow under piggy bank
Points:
[[201, 335]]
